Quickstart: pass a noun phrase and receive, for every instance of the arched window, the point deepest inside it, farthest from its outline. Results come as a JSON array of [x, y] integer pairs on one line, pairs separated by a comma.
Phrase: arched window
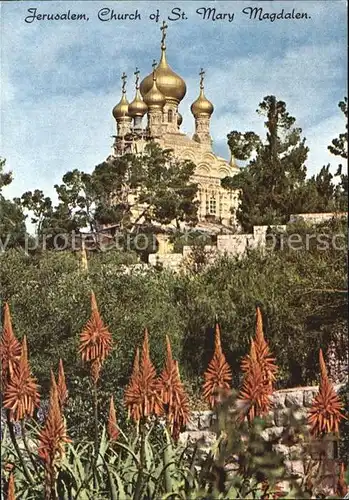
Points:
[[170, 116], [211, 205]]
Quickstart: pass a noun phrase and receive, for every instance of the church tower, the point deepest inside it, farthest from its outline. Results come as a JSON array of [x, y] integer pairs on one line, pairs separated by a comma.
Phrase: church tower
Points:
[[155, 101], [202, 110]]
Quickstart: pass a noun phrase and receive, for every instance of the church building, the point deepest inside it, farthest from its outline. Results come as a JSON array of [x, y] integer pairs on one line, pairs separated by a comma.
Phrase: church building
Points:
[[153, 115]]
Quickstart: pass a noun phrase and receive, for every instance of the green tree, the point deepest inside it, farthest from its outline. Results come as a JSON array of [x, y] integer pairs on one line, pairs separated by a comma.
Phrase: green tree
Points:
[[126, 193], [317, 194], [154, 187], [269, 184], [12, 219], [339, 147]]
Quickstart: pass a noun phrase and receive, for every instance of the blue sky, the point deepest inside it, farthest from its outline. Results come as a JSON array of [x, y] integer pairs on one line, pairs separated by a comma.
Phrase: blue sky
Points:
[[61, 79]]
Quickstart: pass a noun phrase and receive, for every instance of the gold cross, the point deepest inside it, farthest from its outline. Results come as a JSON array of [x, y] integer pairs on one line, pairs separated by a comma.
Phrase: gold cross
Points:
[[163, 29], [154, 64], [202, 74], [124, 78], [136, 73]]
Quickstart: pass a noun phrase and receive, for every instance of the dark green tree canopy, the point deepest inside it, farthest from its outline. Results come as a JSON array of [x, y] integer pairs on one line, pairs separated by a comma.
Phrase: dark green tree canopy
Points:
[[12, 219], [150, 188], [270, 181], [339, 146], [273, 185]]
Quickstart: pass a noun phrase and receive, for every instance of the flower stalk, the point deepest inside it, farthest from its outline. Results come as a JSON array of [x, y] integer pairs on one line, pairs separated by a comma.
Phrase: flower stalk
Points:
[[218, 375]]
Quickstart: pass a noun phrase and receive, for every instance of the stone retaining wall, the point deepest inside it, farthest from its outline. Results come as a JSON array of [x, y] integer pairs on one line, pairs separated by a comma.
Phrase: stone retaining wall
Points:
[[287, 402]]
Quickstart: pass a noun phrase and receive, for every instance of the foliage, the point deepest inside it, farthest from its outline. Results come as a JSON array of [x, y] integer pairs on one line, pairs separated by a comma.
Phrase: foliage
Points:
[[344, 427], [302, 294], [273, 185], [269, 183], [138, 469], [12, 219], [339, 146], [122, 192]]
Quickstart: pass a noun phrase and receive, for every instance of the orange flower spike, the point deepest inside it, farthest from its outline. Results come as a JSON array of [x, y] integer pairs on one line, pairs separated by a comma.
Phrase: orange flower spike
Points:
[[259, 327], [53, 437], [218, 375], [342, 488], [21, 395], [10, 349], [254, 396], [325, 414], [132, 391], [95, 339], [263, 352], [323, 368], [11, 494], [152, 401], [61, 385], [167, 375], [173, 394], [112, 428], [141, 395]]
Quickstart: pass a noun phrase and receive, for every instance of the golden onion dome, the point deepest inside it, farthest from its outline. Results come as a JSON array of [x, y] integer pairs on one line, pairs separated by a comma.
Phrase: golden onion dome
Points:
[[179, 119], [120, 111], [137, 107], [171, 85], [202, 106], [154, 99]]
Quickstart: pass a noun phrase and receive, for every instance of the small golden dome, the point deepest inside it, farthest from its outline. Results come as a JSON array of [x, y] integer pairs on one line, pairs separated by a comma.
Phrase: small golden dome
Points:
[[169, 83], [179, 119], [202, 106], [137, 107], [154, 99], [120, 111]]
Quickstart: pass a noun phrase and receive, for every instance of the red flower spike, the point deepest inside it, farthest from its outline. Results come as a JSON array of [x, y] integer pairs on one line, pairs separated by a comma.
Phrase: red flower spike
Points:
[[95, 339], [61, 385], [325, 414], [141, 394], [21, 394], [112, 427], [218, 375], [11, 494], [173, 394], [53, 436], [10, 349]]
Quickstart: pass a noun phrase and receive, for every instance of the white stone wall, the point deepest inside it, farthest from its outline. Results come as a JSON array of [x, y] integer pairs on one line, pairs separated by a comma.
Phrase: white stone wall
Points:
[[317, 218], [286, 402]]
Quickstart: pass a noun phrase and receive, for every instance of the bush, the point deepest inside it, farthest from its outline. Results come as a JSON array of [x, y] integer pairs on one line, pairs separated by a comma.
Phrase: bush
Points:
[[300, 294]]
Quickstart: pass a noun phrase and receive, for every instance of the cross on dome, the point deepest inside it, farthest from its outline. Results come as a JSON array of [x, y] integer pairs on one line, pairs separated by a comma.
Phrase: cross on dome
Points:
[[124, 78], [136, 73], [163, 29], [202, 74]]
